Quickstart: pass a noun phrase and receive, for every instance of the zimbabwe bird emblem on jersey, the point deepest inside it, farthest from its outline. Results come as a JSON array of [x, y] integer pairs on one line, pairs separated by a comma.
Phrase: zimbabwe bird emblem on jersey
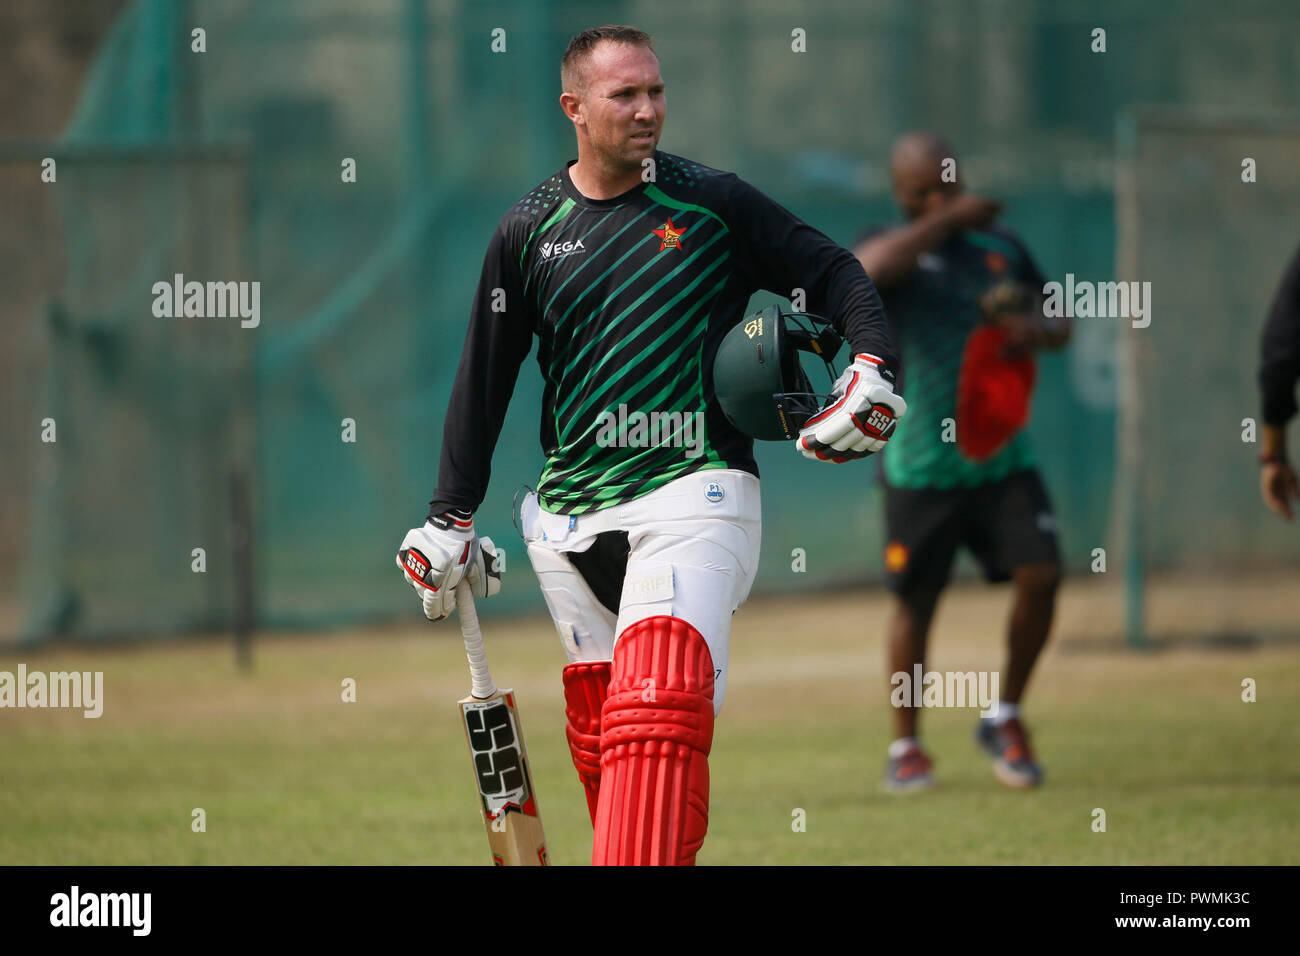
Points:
[[670, 236]]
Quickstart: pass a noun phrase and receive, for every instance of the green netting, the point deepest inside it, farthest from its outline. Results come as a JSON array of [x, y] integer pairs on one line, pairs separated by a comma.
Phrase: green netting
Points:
[[151, 417], [225, 165], [1213, 248]]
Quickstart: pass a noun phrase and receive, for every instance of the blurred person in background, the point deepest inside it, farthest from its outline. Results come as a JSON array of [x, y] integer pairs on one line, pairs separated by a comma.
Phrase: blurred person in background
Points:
[[964, 298], [1279, 369]]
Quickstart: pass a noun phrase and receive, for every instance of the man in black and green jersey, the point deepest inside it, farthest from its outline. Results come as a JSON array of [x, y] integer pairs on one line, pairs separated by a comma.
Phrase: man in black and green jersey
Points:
[[629, 266], [933, 271]]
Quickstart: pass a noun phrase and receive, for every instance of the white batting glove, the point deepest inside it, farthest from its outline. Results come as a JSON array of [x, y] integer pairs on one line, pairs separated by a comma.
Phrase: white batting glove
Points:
[[438, 556], [860, 417]]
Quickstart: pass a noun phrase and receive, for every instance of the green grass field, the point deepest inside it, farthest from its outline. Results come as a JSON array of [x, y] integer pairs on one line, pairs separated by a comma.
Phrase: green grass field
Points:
[[288, 773]]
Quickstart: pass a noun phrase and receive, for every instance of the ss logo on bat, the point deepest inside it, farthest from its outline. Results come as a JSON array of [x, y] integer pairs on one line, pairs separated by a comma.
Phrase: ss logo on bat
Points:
[[496, 758]]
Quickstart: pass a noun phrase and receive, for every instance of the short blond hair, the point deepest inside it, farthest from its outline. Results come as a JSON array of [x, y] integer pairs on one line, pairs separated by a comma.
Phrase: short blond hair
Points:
[[572, 77]]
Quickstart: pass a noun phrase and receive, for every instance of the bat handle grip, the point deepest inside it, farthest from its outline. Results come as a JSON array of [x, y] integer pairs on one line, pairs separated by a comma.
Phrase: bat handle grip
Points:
[[481, 684]]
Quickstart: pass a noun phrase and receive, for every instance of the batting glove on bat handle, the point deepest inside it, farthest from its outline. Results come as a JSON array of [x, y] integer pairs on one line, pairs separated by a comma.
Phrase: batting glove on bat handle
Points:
[[860, 418], [435, 558]]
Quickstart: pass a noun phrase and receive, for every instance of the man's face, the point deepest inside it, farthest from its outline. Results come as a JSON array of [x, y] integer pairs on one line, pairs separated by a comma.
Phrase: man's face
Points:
[[624, 105], [919, 187]]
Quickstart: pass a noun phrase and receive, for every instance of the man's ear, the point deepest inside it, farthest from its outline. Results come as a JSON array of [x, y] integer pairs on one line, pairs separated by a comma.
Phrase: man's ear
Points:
[[572, 107]]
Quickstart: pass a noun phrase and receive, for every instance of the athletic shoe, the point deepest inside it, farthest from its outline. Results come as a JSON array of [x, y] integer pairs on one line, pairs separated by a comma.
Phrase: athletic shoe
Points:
[[1008, 744], [910, 772]]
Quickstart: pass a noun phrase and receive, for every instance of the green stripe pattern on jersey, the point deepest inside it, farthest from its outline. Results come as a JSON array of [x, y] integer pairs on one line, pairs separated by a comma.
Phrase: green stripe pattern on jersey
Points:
[[623, 337]]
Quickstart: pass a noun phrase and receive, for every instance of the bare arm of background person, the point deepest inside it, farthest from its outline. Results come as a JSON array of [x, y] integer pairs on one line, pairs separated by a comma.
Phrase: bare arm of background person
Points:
[[890, 255], [1279, 371]]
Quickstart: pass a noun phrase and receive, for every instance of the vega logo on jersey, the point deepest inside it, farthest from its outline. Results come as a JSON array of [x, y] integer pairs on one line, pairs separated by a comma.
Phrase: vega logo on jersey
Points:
[[558, 250]]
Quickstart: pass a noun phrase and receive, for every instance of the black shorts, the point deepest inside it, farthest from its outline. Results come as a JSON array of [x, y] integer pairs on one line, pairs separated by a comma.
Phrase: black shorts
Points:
[[1005, 524]]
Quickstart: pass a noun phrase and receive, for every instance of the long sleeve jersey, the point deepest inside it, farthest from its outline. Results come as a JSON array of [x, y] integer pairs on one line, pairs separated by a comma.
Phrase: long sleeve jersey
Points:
[[1279, 367], [629, 298]]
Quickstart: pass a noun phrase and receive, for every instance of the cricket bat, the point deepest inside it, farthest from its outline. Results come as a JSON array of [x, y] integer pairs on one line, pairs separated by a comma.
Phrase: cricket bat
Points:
[[496, 747]]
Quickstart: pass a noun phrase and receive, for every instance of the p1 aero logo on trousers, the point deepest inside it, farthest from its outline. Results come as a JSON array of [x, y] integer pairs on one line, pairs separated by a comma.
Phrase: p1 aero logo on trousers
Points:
[[714, 492]]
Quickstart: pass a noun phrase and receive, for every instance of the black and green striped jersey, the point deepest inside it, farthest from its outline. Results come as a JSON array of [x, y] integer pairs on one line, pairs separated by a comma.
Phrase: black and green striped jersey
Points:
[[629, 298]]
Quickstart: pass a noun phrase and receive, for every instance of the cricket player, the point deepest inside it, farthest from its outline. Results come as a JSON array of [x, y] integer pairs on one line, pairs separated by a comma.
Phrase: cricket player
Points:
[[958, 471], [1279, 370], [630, 265]]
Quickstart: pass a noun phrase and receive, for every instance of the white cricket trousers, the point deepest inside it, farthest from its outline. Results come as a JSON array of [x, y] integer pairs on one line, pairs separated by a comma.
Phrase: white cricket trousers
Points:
[[694, 547]]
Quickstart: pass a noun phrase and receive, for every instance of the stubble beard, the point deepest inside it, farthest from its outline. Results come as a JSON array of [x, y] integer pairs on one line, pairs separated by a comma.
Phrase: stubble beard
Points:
[[622, 157]]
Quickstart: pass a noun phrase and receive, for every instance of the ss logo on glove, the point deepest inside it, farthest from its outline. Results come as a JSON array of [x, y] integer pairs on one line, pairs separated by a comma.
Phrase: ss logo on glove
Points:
[[880, 422], [416, 564], [859, 419]]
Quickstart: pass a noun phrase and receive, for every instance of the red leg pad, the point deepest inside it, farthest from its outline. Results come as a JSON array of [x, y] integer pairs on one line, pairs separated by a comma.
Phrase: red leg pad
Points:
[[655, 735], [586, 685]]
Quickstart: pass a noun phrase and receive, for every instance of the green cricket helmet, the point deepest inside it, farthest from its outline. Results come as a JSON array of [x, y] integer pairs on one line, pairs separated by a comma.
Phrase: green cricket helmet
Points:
[[758, 378]]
